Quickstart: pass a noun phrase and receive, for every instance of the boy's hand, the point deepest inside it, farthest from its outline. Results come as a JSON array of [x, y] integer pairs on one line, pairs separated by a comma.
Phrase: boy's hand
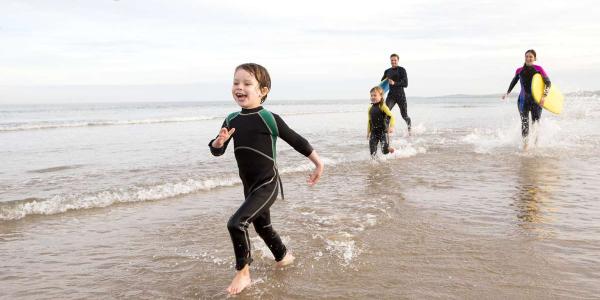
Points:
[[224, 135], [316, 175], [391, 82]]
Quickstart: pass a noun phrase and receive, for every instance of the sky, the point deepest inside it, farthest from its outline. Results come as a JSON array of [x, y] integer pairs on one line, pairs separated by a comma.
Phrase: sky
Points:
[[183, 50]]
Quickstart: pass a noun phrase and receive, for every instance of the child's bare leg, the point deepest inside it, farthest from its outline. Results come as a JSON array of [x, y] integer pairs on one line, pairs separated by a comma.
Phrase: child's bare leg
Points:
[[240, 281]]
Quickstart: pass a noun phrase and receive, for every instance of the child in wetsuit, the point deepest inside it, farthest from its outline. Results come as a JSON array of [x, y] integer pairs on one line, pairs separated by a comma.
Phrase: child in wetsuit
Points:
[[254, 131], [381, 123]]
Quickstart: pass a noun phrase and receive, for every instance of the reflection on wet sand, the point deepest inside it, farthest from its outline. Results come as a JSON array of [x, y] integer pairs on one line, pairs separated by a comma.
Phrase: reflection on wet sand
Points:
[[534, 188]]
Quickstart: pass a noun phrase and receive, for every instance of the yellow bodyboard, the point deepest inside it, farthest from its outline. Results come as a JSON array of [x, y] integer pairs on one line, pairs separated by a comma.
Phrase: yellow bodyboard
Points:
[[554, 99]]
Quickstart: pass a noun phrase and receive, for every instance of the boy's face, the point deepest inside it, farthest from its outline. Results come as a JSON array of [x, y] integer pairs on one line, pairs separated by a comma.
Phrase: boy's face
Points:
[[375, 97], [245, 89]]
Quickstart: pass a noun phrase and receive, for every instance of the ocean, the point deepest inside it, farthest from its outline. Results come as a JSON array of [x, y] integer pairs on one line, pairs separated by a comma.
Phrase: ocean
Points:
[[124, 200]]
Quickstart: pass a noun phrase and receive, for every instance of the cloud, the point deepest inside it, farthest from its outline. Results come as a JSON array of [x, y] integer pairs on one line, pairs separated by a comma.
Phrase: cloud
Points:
[[464, 46]]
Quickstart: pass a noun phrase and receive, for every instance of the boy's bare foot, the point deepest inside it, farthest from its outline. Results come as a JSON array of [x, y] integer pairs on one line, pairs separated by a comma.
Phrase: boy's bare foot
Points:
[[287, 259], [391, 149], [240, 281]]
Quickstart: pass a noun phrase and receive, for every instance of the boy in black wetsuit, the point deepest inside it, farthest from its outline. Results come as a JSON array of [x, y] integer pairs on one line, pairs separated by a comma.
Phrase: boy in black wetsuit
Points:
[[398, 80], [381, 123], [254, 131]]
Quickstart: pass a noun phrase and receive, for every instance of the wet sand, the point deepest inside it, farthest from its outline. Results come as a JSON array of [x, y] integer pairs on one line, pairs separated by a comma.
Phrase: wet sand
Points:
[[382, 230]]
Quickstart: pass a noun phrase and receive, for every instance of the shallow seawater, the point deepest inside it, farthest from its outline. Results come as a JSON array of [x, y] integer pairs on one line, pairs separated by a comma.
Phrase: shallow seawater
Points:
[[125, 201]]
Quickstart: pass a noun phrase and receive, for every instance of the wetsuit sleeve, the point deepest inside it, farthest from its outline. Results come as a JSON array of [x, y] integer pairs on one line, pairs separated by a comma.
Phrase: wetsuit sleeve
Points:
[[403, 82], [387, 111], [544, 77], [295, 140], [384, 75], [513, 82], [219, 151]]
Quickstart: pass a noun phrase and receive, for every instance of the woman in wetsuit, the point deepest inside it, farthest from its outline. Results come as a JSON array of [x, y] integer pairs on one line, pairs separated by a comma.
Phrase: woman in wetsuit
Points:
[[526, 104]]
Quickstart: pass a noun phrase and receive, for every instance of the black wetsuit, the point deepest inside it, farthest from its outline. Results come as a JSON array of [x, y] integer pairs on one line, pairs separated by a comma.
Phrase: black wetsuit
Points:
[[379, 122], [253, 150], [396, 94], [526, 103]]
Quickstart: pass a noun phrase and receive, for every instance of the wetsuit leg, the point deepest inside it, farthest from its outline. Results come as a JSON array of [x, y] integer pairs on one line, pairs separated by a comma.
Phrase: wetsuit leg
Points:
[[256, 203], [524, 120], [385, 143], [390, 101], [373, 141], [404, 112], [536, 113], [264, 228]]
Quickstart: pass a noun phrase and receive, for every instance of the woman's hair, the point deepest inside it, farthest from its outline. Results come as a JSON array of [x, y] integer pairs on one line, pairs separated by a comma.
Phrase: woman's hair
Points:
[[532, 52], [260, 73], [378, 90]]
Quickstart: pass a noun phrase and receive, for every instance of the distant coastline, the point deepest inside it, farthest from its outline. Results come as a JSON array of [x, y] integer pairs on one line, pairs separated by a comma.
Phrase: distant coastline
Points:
[[576, 93], [89, 94]]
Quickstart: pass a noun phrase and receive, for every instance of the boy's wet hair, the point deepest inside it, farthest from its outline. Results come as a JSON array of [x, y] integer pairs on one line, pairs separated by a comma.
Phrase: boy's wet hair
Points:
[[379, 90], [260, 73], [395, 55]]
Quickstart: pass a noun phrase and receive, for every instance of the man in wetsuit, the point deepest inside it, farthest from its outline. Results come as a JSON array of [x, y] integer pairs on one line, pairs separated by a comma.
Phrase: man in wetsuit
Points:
[[398, 80]]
